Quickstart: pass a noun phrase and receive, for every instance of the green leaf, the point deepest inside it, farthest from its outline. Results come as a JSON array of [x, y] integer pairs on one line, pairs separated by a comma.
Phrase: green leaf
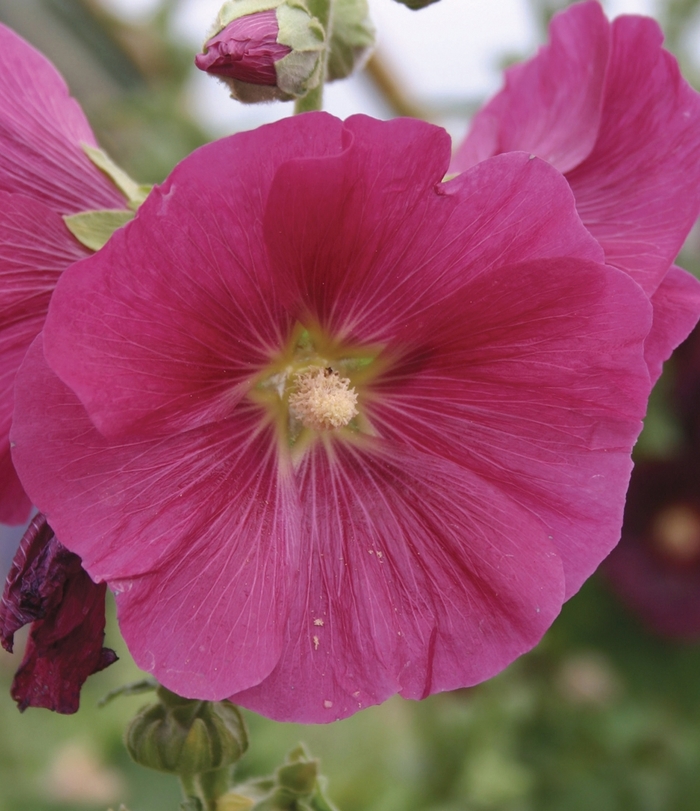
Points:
[[93, 228], [134, 192]]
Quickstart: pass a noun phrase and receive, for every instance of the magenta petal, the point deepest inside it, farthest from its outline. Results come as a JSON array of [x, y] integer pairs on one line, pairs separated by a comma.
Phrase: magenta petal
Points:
[[551, 105], [48, 587], [415, 577], [676, 305], [628, 145], [201, 584], [35, 247], [533, 377], [41, 132], [201, 313], [639, 190], [409, 239]]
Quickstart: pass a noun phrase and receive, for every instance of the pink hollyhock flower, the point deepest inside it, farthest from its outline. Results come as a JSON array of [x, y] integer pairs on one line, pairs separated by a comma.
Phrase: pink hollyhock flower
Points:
[[44, 174], [246, 50], [48, 588], [606, 105], [330, 428], [656, 567]]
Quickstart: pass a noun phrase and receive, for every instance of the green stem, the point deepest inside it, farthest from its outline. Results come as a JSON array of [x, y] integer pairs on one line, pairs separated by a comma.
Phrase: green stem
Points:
[[313, 100], [188, 782]]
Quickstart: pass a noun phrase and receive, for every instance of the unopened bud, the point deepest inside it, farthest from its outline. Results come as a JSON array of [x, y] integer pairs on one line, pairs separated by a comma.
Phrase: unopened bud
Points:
[[416, 4], [352, 38], [265, 49], [186, 736]]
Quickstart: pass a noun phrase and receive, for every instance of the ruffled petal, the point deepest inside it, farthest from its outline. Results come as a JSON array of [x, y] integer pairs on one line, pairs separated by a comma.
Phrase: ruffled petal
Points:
[[415, 576], [35, 247], [406, 242], [551, 105], [192, 532], [200, 316], [48, 588], [533, 377], [676, 304], [638, 191], [41, 132]]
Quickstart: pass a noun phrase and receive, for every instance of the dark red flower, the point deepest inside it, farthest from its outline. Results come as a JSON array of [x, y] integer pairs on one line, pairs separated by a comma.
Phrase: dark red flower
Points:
[[656, 567], [48, 587]]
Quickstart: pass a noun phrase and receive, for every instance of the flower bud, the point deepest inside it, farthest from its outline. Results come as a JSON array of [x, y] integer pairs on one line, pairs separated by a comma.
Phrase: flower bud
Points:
[[265, 49], [416, 4], [352, 38], [185, 736]]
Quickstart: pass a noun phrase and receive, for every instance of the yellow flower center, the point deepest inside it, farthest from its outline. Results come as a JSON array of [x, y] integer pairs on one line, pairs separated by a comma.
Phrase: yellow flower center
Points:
[[322, 399], [314, 388]]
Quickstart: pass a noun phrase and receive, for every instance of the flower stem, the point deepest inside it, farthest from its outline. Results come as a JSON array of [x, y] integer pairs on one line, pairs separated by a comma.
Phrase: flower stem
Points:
[[313, 100]]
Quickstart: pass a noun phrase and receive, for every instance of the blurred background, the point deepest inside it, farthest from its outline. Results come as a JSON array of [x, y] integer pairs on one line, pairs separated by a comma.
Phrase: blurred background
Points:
[[605, 713]]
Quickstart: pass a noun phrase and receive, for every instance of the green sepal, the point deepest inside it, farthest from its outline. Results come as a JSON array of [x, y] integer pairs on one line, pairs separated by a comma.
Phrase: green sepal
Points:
[[134, 192], [352, 38], [185, 736], [93, 228]]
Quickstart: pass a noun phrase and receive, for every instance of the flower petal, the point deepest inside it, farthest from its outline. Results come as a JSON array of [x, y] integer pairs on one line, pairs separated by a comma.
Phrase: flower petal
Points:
[[676, 304], [533, 377], [35, 247], [407, 241], [551, 104], [191, 531], [639, 190], [415, 576], [200, 316], [41, 132]]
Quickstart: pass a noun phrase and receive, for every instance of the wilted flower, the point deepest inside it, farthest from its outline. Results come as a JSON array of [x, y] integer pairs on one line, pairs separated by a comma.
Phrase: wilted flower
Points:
[[656, 567], [48, 588], [265, 49], [606, 105], [44, 174], [330, 428]]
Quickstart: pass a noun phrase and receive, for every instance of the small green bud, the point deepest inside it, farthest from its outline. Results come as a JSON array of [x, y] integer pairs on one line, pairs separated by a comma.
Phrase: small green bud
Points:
[[416, 4], [265, 49], [295, 786], [185, 736], [352, 38]]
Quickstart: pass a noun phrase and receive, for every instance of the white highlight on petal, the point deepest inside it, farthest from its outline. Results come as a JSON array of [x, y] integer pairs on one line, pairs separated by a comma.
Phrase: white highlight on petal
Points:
[[322, 400]]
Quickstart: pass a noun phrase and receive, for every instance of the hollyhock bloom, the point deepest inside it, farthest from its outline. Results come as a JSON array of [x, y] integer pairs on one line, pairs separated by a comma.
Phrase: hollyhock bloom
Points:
[[656, 567], [44, 174], [606, 105], [348, 431], [48, 588]]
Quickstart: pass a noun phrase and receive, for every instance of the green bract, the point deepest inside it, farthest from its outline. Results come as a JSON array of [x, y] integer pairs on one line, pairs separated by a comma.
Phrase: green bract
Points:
[[186, 737], [352, 38]]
